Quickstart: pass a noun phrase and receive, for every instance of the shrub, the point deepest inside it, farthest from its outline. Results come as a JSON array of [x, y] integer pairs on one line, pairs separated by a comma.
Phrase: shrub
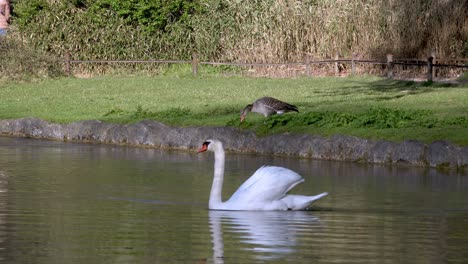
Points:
[[19, 61]]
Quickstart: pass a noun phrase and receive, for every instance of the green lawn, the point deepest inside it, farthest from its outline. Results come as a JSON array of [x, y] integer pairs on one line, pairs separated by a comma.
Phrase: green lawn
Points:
[[363, 106]]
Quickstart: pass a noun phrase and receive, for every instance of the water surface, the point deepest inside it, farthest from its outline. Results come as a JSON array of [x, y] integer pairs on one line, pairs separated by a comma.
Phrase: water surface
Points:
[[78, 203]]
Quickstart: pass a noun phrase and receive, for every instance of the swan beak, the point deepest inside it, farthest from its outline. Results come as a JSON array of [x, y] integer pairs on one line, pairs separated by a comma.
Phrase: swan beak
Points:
[[203, 148]]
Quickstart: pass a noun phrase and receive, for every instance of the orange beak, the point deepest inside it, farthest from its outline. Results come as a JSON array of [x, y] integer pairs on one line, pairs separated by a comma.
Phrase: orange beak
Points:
[[203, 148], [242, 118]]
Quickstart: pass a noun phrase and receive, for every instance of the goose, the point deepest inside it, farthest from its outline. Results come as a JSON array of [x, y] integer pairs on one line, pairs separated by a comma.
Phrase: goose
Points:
[[266, 189], [268, 106]]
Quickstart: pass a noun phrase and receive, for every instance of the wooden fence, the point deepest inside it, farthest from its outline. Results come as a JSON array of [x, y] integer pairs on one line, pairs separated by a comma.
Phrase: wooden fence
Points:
[[389, 64]]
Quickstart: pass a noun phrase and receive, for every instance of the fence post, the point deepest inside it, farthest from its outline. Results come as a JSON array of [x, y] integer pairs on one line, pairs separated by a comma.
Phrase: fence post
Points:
[[353, 64], [434, 61], [337, 69], [307, 63], [194, 64], [430, 68], [389, 66], [67, 63]]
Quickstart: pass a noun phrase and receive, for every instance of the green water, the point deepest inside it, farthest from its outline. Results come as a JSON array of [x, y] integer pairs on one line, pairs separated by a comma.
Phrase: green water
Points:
[[77, 203]]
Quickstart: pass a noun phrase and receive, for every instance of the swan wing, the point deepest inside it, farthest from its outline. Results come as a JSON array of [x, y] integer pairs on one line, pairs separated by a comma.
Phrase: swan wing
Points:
[[268, 183]]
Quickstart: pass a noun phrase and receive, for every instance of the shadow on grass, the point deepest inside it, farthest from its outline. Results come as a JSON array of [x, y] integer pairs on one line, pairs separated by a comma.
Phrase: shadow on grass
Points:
[[400, 88], [403, 85], [386, 89]]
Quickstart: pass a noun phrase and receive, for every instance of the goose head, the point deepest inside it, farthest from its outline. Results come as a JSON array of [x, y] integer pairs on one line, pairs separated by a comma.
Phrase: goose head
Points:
[[245, 111]]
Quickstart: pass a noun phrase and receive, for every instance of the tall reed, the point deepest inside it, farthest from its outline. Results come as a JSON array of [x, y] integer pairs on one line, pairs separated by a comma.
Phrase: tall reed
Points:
[[257, 31]]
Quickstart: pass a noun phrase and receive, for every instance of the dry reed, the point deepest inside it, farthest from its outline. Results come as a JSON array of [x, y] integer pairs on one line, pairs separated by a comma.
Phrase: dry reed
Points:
[[261, 31]]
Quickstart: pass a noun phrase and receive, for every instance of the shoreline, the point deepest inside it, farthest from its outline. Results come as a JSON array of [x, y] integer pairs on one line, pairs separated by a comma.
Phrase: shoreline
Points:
[[148, 133]]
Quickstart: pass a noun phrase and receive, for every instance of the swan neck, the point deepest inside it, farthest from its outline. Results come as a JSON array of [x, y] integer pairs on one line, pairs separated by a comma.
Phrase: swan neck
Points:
[[216, 188]]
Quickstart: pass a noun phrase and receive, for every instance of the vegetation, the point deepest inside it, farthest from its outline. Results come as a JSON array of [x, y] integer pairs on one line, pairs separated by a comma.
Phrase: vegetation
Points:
[[255, 31], [363, 106], [234, 31], [21, 62]]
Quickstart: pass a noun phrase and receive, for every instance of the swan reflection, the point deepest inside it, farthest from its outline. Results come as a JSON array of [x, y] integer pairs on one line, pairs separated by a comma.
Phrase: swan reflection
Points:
[[270, 234]]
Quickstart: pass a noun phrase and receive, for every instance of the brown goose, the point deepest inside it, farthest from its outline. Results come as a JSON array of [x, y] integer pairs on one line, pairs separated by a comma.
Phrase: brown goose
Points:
[[268, 106]]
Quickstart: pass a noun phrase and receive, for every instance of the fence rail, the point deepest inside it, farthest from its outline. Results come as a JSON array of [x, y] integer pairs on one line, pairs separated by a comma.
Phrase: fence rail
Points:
[[389, 63]]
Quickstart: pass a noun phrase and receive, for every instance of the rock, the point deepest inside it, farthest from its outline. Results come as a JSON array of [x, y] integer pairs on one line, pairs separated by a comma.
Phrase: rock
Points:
[[155, 134], [381, 152], [462, 159], [442, 154], [409, 152]]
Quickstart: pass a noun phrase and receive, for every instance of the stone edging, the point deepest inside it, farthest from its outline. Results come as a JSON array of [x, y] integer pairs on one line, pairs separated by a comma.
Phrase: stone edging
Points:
[[154, 134]]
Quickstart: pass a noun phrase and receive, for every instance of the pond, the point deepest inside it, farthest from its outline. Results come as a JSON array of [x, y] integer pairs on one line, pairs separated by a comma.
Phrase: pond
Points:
[[83, 203]]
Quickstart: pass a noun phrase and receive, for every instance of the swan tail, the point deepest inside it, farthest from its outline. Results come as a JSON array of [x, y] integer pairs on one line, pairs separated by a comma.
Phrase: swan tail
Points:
[[301, 202], [318, 196]]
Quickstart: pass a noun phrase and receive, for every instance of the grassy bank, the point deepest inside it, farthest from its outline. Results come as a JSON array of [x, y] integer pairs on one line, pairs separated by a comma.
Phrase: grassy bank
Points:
[[363, 106]]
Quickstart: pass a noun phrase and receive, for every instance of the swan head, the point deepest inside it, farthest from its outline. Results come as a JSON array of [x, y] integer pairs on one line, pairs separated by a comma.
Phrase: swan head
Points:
[[244, 112], [210, 144]]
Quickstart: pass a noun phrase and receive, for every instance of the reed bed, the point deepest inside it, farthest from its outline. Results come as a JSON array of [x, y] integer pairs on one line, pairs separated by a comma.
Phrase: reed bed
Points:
[[251, 31]]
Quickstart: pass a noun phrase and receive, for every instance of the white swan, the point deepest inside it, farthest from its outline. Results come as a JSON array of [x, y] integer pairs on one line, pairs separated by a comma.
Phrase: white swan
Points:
[[265, 190]]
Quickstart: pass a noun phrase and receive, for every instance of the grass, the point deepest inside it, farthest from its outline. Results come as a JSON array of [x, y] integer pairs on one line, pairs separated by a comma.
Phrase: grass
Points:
[[367, 107]]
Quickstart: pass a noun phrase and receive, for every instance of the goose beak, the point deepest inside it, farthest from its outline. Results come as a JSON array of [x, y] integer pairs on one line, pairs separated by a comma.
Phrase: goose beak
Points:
[[242, 118]]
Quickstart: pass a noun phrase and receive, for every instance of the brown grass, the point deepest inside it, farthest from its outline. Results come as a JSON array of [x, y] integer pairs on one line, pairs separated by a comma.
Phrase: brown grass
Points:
[[260, 31]]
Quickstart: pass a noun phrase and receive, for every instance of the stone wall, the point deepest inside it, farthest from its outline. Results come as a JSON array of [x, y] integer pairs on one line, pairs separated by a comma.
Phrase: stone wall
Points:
[[155, 134]]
